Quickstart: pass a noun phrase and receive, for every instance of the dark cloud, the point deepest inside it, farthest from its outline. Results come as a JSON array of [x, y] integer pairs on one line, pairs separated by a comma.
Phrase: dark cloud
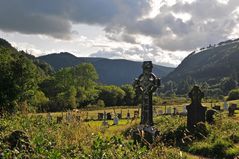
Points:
[[210, 21], [55, 17]]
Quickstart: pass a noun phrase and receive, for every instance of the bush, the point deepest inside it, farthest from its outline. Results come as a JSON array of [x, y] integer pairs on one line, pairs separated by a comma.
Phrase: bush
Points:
[[233, 94]]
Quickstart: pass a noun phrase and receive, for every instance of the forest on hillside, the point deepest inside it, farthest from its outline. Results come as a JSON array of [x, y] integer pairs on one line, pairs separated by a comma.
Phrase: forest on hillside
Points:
[[29, 84]]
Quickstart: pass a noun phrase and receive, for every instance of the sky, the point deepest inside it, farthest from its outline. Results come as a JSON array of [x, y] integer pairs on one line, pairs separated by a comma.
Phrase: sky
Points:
[[163, 31]]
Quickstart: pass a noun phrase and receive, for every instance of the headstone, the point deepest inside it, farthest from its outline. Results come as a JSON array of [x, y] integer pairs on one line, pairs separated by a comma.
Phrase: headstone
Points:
[[210, 115], [169, 110], [160, 112], [145, 85], [128, 115], [184, 110], [100, 116], [175, 111], [196, 112], [105, 116], [59, 119], [105, 123], [69, 116], [119, 115], [116, 120], [136, 114], [49, 117], [225, 106], [231, 109], [109, 117]]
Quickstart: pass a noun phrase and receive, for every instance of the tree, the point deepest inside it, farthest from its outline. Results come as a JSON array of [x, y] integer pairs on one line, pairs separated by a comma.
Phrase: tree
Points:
[[129, 97], [111, 95], [233, 94], [18, 80], [227, 84]]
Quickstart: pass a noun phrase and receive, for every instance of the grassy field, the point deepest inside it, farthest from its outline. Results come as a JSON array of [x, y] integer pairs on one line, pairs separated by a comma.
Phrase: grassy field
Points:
[[48, 139]]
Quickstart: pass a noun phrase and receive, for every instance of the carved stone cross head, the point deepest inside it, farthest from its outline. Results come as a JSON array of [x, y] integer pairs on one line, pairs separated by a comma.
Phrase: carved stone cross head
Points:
[[196, 95], [147, 82]]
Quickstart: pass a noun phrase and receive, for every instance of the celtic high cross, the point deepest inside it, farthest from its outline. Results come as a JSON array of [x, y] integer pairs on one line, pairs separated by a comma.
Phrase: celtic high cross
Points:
[[145, 85]]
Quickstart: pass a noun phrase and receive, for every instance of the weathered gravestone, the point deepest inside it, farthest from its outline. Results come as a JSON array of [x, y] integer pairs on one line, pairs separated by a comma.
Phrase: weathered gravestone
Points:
[[160, 112], [175, 111], [100, 116], [169, 110], [105, 123], [231, 109], [196, 112], [136, 114], [49, 117], [225, 106], [145, 85], [109, 117], [116, 120], [128, 115]]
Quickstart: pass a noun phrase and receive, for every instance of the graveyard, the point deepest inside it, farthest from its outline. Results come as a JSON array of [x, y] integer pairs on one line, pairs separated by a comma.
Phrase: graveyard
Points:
[[196, 128], [92, 139]]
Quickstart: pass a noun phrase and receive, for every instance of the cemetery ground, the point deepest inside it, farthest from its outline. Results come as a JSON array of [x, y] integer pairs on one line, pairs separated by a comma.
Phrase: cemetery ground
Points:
[[41, 137]]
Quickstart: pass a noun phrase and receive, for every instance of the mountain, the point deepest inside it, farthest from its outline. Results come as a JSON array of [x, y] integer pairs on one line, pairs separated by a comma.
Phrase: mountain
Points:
[[41, 65], [110, 71], [209, 64]]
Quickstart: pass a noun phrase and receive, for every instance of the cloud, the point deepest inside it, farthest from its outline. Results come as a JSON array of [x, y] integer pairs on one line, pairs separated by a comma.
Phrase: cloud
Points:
[[135, 29], [143, 53], [182, 25], [56, 17]]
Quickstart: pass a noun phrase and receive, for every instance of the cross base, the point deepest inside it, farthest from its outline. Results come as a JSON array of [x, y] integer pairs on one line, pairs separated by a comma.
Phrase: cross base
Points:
[[145, 135]]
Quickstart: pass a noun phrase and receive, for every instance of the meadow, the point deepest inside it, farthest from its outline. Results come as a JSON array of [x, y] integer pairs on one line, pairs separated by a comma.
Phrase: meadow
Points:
[[91, 140]]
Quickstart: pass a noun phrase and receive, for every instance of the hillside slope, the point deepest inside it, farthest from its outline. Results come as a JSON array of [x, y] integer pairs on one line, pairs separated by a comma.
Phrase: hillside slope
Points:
[[212, 63], [110, 71]]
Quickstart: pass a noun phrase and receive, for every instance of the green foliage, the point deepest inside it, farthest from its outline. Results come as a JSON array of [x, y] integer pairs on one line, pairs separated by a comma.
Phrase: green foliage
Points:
[[18, 80], [233, 94], [228, 84], [111, 95], [129, 98]]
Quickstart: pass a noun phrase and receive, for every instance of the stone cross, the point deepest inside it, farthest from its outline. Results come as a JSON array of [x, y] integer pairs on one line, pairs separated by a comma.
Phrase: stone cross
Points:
[[196, 112], [145, 85]]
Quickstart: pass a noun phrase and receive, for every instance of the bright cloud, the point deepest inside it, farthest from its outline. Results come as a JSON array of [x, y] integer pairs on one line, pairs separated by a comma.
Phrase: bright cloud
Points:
[[164, 31]]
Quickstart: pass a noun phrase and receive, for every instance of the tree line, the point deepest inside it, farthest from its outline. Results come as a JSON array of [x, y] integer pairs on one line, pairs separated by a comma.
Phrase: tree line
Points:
[[27, 85]]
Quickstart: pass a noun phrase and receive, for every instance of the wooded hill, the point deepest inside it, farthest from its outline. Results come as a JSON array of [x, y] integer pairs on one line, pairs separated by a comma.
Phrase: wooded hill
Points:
[[211, 64], [110, 71]]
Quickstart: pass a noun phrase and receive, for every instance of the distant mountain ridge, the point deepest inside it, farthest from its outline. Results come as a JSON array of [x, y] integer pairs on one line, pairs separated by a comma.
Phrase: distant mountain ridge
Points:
[[110, 71], [211, 63]]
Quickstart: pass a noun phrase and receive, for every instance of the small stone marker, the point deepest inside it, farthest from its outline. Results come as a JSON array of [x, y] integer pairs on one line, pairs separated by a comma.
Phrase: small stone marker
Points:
[[100, 116], [105, 123], [59, 119], [49, 117], [169, 110], [184, 110], [160, 112], [105, 116], [231, 109], [128, 115], [196, 112], [109, 117], [136, 114], [119, 115], [116, 120], [210, 115], [225, 106], [175, 111]]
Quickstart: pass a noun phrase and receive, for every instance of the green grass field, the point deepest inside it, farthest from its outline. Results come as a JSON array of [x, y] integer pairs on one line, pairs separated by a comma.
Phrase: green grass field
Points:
[[93, 140]]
